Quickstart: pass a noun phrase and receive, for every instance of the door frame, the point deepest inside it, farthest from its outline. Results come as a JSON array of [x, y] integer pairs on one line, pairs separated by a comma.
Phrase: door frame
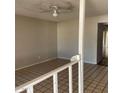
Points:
[[100, 29]]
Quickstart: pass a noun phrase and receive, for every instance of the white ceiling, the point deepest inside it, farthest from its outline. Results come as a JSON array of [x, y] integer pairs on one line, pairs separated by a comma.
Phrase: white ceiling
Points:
[[31, 8]]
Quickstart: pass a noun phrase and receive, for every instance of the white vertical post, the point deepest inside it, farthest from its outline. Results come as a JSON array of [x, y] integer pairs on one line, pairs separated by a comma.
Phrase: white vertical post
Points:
[[30, 89], [55, 83], [80, 50], [70, 80]]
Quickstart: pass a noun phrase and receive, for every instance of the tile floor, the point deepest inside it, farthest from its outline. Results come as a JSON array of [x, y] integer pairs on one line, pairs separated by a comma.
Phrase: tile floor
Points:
[[95, 77]]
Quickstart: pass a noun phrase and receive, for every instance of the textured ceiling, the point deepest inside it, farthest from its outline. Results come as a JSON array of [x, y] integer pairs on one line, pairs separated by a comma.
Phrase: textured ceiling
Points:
[[33, 8], [96, 7]]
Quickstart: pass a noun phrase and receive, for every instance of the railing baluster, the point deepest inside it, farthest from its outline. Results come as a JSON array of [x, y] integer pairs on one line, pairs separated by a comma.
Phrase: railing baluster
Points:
[[80, 77], [30, 89], [70, 80], [55, 83]]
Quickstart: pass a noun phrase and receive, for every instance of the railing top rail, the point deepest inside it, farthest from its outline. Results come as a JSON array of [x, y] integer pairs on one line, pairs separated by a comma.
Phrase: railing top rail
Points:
[[43, 77]]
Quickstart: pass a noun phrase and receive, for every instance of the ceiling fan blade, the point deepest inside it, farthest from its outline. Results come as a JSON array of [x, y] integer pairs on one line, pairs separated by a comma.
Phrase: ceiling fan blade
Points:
[[44, 11], [64, 11]]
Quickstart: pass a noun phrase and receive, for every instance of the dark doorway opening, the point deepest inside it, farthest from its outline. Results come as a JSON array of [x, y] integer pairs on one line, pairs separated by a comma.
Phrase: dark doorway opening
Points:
[[102, 44]]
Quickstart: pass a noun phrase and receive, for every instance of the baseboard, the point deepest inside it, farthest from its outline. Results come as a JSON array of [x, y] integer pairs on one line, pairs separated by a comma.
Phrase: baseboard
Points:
[[37, 63], [64, 58], [90, 62]]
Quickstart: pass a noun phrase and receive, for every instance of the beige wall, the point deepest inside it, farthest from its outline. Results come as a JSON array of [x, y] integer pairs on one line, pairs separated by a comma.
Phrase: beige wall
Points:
[[34, 38], [67, 38], [90, 37], [47, 39]]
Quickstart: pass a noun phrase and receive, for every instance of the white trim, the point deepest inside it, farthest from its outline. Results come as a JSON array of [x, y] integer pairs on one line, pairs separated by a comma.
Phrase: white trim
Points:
[[90, 62], [49, 59]]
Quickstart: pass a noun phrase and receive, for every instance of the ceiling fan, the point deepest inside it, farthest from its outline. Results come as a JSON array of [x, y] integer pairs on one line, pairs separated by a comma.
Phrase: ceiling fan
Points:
[[55, 10]]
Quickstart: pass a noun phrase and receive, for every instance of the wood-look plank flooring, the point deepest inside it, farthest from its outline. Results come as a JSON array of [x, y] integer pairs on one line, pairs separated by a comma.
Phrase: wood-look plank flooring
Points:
[[95, 77]]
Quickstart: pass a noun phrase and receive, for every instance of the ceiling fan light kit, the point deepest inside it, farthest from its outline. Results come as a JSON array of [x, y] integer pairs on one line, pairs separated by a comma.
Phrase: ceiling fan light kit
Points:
[[55, 14], [54, 9]]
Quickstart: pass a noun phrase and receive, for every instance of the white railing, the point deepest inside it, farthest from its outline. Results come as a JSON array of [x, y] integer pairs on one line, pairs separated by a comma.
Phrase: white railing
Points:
[[29, 85]]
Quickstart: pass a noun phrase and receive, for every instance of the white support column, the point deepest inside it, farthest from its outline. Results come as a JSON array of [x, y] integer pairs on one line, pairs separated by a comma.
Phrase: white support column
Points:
[[30, 89], [55, 83], [70, 80], [81, 32]]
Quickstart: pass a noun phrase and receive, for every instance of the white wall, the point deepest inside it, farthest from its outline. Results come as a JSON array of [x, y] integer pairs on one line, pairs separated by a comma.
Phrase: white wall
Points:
[[90, 38], [67, 38], [34, 38]]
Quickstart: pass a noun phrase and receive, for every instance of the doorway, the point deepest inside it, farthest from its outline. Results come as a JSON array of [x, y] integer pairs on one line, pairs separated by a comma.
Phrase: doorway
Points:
[[102, 44]]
